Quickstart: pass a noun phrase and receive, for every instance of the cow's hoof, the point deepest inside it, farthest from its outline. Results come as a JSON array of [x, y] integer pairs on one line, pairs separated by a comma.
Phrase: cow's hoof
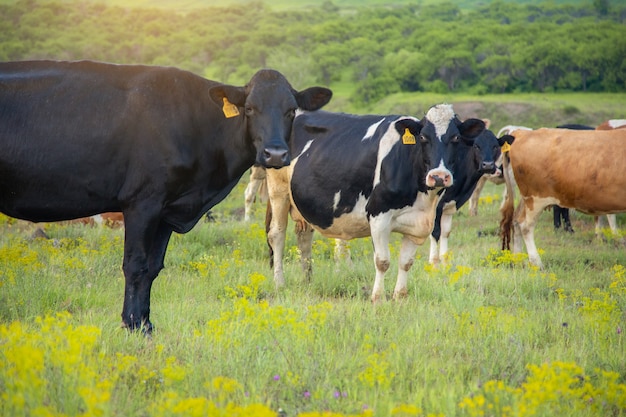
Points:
[[378, 298], [400, 294], [145, 328]]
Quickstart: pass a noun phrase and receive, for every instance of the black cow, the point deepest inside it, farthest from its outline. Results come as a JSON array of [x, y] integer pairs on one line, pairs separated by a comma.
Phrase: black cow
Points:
[[161, 145], [358, 176], [478, 160]]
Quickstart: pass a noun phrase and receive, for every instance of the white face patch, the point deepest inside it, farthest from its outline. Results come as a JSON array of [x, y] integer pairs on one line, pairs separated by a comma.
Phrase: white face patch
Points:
[[440, 116], [371, 130]]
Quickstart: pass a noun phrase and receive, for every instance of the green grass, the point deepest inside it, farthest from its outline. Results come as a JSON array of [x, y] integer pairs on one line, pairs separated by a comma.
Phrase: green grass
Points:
[[226, 336]]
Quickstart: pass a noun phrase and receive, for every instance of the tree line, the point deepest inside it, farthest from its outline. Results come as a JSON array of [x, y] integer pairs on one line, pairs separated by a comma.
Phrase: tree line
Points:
[[499, 47]]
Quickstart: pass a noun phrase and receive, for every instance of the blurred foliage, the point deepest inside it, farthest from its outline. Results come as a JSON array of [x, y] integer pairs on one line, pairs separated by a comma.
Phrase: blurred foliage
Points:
[[500, 47]]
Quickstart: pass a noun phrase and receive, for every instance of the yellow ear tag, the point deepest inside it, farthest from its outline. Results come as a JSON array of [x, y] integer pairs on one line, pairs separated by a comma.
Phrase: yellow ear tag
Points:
[[506, 147], [229, 109], [408, 138]]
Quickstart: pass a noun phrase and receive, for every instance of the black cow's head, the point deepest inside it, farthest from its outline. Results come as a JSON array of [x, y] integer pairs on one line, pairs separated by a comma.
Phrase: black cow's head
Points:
[[441, 126], [269, 104], [486, 151]]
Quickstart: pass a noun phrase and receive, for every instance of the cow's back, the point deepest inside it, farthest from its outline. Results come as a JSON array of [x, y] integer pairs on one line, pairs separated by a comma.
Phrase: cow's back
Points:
[[580, 169]]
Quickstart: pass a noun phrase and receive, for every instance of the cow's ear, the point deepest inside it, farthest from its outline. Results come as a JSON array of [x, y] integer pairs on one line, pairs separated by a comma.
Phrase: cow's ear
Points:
[[471, 128], [313, 98], [235, 95], [506, 139], [414, 126]]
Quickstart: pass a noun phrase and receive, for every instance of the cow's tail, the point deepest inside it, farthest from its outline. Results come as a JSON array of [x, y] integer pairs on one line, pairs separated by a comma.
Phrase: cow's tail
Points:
[[507, 209], [268, 222]]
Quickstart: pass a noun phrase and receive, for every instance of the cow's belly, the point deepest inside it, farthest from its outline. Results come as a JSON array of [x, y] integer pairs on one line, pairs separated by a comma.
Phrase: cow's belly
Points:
[[40, 200], [350, 225], [415, 222]]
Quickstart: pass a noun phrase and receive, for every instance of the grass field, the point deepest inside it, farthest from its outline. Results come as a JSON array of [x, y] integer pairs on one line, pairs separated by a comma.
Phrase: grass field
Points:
[[484, 335]]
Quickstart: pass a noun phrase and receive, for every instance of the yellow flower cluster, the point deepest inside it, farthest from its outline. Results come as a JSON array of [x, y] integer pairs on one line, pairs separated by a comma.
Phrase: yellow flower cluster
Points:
[[175, 405], [17, 259], [488, 199], [54, 351], [556, 388], [496, 258], [377, 373]]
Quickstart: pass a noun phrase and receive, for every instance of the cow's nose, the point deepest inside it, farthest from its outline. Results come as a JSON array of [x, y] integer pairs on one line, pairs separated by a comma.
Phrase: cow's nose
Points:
[[488, 167], [276, 157], [439, 179]]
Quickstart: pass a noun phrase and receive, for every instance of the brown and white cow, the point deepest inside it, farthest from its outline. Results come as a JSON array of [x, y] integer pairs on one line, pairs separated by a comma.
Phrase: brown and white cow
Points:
[[611, 218], [584, 170], [110, 219]]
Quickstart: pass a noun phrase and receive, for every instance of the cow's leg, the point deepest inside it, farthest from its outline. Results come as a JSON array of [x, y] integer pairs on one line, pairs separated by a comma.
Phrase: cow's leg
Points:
[[433, 257], [446, 228], [382, 256], [517, 232], [342, 251], [249, 196], [473, 201], [406, 259], [556, 216], [527, 227], [144, 250], [612, 219], [304, 236], [279, 203], [567, 224]]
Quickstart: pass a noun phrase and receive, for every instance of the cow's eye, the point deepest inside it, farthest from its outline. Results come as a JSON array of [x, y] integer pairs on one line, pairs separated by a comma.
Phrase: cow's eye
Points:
[[290, 114], [423, 139], [455, 138], [249, 110]]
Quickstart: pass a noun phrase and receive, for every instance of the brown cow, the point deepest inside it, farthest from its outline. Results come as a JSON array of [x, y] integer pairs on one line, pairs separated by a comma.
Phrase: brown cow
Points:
[[584, 170], [612, 220], [110, 219]]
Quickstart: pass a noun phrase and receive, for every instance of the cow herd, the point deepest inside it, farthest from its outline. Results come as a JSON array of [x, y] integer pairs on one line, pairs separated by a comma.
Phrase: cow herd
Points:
[[161, 146]]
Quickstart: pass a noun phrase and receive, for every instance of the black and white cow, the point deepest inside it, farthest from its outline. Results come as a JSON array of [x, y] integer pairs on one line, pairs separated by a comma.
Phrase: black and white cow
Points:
[[472, 164], [158, 144], [357, 176]]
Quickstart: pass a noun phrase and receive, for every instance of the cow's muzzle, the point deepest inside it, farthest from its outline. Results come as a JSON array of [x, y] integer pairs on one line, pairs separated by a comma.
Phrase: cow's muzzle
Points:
[[275, 157], [439, 178], [488, 167]]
